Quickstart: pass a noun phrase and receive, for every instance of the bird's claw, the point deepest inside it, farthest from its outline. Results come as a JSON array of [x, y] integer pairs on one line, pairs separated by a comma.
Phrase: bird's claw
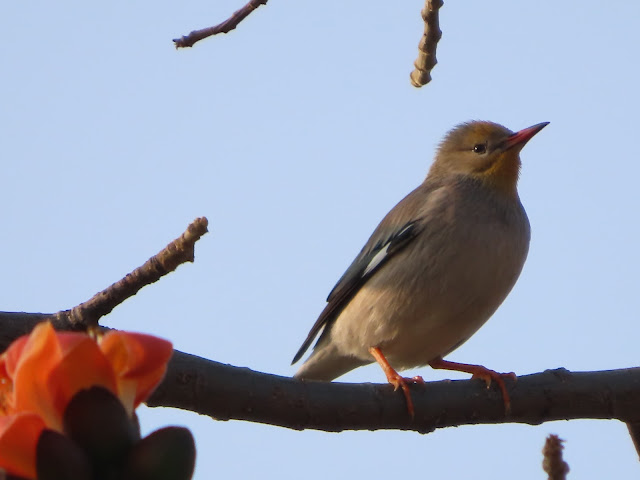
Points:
[[399, 381], [478, 371], [395, 379]]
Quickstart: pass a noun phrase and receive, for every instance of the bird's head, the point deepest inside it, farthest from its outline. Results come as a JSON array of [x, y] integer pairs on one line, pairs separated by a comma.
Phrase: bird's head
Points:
[[486, 151]]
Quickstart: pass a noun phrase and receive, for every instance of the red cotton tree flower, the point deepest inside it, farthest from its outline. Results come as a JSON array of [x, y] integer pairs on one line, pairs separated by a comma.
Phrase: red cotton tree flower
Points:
[[67, 403]]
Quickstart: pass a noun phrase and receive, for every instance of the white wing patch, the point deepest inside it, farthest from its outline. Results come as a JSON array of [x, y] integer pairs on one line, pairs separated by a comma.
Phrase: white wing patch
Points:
[[376, 260], [379, 257]]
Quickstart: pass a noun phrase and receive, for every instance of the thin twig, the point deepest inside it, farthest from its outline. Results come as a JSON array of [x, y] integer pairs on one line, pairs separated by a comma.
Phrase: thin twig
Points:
[[553, 464], [427, 47], [179, 251], [634, 431], [224, 27]]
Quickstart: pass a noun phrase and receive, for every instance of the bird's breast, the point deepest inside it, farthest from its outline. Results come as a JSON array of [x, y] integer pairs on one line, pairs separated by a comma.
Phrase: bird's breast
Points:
[[442, 288]]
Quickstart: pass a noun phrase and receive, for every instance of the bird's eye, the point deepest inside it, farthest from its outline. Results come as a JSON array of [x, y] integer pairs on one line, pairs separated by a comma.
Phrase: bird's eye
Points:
[[480, 148]]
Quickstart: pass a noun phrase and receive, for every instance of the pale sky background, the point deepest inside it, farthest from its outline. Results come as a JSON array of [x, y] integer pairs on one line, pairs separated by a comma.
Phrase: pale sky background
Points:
[[294, 135]]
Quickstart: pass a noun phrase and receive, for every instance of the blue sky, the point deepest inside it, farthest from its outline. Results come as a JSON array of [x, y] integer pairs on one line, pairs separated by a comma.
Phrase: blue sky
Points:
[[294, 135]]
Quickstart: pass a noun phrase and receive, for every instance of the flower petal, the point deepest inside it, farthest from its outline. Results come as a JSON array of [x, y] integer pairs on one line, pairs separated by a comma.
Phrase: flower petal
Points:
[[18, 440], [6, 389], [139, 361], [11, 356], [53, 367]]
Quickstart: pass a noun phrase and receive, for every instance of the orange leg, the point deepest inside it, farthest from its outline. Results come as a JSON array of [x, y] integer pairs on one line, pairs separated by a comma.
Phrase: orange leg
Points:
[[395, 379], [478, 371]]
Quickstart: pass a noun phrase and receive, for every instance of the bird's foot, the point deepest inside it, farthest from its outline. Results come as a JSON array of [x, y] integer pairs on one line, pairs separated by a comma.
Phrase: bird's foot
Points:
[[397, 380], [478, 371], [490, 375]]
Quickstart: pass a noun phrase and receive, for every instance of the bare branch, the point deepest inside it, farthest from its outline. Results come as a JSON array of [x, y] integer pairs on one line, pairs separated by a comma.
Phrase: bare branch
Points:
[[634, 431], [179, 251], [226, 392], [224, 27], [427, 47], [553, 464]]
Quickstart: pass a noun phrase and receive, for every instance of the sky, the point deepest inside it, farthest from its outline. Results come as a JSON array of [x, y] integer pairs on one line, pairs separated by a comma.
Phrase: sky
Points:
[[294, 135]]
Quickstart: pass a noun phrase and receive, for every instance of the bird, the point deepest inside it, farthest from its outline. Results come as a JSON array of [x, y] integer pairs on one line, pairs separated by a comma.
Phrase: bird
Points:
[[434, 270]]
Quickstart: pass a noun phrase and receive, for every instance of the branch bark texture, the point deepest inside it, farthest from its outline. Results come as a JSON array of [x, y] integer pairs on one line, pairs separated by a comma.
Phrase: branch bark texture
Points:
[[553, 463], [426, 60], [225, 392]]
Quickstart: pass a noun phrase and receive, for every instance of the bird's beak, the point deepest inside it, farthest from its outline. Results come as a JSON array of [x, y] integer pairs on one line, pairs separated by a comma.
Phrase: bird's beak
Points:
[[519, 139]]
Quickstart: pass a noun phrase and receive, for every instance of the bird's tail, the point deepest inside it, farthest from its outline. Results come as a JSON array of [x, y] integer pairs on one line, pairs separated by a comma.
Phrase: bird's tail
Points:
[[326, 363]]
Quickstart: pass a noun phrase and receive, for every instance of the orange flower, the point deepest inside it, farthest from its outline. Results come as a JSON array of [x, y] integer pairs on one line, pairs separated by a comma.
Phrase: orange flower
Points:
[[47, 369], [40, 373]]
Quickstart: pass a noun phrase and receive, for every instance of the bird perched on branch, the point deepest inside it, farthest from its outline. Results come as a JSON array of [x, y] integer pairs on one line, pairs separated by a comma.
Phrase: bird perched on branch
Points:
[[435, 269]]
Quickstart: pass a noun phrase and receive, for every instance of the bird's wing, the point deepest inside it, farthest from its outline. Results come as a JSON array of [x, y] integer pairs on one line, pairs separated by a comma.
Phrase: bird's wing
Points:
[[395, 232]]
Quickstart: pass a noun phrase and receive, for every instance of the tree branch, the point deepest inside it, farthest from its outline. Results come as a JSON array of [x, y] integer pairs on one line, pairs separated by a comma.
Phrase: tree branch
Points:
[[553, 464], [427, 47], [634, 431], [225, 392], [179, 251], [224, 27]]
